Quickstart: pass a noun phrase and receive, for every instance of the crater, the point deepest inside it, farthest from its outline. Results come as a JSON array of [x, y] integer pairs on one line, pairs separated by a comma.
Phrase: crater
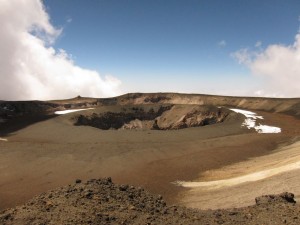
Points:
[[152, 117]]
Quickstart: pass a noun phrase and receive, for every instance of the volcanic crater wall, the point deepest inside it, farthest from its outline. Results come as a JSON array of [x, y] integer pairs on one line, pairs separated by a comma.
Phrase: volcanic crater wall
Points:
[[155, 117], [290, 106]]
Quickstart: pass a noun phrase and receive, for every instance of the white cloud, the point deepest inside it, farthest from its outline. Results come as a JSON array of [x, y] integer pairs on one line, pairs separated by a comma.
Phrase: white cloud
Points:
[[278, 65], [243, 56], [30, 68], [258, 44], [222, 43]]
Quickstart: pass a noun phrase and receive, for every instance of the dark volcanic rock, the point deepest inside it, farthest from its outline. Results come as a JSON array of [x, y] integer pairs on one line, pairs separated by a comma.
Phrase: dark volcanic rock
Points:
[[282, 198], [77, 181], [103, 202], [116, 120]]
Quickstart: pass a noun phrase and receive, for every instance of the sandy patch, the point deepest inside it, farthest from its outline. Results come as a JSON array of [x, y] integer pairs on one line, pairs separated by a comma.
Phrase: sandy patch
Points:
[[3, 139], [70, 111], [242, 179], [287, 159], [272, 173]]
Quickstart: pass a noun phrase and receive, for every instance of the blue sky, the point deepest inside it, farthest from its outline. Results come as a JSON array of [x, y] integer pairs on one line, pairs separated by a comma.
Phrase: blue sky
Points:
[[212, 46], [181, 42]]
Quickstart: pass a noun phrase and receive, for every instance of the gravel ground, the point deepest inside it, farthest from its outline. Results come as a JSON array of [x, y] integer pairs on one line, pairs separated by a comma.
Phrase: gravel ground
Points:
[[103, 202]]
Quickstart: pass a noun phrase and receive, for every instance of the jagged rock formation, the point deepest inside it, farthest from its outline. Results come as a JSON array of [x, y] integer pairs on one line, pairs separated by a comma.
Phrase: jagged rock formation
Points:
[[103, 202], [158, 117], [116, 118], [184, 116], [269, 199]]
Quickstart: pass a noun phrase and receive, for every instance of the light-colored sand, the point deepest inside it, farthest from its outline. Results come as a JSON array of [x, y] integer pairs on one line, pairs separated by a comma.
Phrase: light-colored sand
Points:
[[290, 162], [246, 180], [3, 139], [243, 194]]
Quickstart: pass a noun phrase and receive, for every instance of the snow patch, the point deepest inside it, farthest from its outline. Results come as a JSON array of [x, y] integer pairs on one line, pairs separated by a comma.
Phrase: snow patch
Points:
[[248, 114], [250, 122], [69, 111], [3, 139], [267, 129]]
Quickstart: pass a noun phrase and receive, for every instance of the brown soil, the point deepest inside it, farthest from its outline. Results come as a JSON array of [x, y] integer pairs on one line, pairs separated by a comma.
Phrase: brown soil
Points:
[[103, 202]]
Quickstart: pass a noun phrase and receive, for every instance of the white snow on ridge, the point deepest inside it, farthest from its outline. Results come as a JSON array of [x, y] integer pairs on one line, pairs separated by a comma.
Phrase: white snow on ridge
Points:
[[250, 122], [69, 111], [3, 139], [248, 114], [267, 129]]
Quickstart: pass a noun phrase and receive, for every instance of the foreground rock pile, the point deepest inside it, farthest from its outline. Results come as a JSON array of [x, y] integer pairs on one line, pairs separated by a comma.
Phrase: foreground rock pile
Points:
[[103, 202]]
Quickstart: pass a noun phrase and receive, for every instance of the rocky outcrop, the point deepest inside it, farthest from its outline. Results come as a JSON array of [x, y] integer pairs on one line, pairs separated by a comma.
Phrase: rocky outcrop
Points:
[[289, 106], [184, 116], [268, 199], [100, 201], [156, 117], [117, 118]]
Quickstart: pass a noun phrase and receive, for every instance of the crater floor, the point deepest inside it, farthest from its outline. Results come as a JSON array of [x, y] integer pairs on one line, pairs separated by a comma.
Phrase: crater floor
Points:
[[141, 142]]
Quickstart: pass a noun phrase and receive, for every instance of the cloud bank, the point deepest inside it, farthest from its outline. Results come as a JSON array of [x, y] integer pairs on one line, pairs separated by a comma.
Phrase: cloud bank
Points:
[[30, 68], [278, 65]]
